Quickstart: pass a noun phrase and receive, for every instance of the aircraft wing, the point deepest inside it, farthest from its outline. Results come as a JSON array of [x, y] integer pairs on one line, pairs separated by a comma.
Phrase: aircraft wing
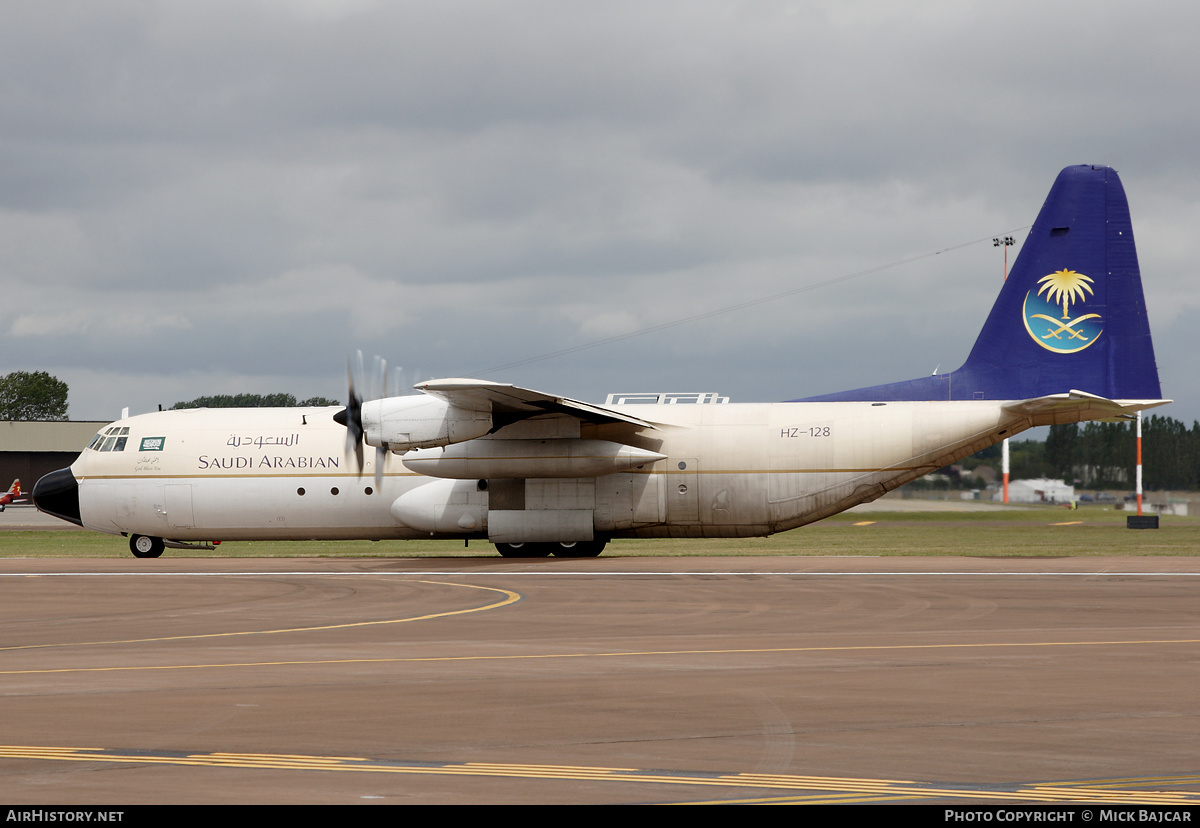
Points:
[[501, 398], [1076, 406]]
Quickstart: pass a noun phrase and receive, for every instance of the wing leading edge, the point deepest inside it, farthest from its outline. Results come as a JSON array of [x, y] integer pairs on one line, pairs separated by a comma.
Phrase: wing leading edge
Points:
[[517, 403]]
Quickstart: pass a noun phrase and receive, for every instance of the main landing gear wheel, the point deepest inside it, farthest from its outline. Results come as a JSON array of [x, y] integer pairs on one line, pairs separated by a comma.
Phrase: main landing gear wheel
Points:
[[578, 549], [524, 550], [144, 546], [563, 549]]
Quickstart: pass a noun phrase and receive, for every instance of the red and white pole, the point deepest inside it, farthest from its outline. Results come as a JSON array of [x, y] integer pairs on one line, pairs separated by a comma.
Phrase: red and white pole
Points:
[[1139, 463], [1004, 466]]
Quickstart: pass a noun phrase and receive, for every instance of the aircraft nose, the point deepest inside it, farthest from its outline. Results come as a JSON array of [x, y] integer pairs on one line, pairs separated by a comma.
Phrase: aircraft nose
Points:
[[58, 494]]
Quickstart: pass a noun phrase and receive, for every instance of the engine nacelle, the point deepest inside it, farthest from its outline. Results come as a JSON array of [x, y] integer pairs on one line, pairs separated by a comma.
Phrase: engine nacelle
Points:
[[404, 423]]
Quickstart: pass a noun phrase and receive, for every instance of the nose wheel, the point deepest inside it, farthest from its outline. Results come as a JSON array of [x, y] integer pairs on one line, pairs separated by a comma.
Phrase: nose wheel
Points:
[[144, 546]]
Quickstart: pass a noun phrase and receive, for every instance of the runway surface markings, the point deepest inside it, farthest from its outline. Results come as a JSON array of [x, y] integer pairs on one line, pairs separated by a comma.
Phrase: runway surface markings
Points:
[[619, 654], [1134, 781], [508, 573], [510, 597], [832, 789]]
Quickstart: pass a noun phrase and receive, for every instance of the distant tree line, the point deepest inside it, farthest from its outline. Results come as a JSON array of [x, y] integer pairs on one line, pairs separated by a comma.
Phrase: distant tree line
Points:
[[253, 401], [1103, 455], [32, 395], [1099, 456], [1026, 459]]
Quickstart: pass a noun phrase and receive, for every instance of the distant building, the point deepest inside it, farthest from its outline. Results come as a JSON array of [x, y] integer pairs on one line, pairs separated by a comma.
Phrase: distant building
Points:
[[29, 450], [1040, 490]]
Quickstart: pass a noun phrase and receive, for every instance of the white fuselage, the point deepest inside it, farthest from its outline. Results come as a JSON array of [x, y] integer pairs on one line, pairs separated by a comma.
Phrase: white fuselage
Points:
[[727, 471]]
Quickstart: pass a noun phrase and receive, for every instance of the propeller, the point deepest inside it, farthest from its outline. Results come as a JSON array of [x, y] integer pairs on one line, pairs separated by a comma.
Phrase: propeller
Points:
[[380, 452], [351, 415]]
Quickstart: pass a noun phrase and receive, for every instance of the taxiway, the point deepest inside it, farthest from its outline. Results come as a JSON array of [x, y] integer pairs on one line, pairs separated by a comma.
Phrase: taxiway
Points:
[[599, 681]]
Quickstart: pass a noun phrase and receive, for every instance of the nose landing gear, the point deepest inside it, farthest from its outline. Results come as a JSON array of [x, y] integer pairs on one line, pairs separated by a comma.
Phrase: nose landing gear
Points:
[[144, 546]]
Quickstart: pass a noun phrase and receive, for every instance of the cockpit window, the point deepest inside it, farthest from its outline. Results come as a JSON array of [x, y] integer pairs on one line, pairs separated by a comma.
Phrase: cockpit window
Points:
[[112, 439]]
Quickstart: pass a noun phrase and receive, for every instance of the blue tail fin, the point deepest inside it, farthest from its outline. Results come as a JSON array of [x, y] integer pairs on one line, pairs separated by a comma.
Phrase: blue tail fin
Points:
[[1070, 317]]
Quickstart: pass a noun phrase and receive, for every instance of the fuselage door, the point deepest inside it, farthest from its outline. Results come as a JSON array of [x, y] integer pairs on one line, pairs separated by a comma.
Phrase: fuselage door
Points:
[[179, 505]]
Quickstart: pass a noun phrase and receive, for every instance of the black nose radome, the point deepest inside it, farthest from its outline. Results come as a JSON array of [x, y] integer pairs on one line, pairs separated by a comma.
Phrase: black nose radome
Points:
[[58, 494]]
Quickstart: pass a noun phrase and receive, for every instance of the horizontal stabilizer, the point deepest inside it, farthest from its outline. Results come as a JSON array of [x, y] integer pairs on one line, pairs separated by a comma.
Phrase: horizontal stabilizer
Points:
[[1077, 406]]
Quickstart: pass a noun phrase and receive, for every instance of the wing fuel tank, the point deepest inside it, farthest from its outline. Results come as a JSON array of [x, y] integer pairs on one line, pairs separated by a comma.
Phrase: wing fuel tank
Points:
[[495, 459]]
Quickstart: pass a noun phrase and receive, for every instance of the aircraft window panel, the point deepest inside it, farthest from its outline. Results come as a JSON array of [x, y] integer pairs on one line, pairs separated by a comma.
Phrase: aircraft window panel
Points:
[[96, 441], [668, 398], [124, 430], [109, 442], [120, 446]]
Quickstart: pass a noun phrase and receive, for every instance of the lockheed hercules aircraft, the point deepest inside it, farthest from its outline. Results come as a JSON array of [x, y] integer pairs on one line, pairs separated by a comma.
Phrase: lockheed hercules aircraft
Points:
[[537, 474]]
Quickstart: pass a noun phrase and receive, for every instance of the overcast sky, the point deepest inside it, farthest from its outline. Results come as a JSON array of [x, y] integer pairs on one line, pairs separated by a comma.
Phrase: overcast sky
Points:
[[220, 197]]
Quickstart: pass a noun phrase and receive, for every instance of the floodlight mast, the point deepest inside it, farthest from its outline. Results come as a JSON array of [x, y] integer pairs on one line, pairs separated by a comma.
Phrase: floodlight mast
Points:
[[1006, 243]]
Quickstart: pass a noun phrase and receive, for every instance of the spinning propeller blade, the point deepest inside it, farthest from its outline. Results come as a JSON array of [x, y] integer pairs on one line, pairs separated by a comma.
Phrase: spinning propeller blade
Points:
[[351, 415]]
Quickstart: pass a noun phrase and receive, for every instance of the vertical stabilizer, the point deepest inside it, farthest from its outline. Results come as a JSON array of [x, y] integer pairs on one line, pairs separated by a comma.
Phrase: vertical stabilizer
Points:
[[1071, 315]]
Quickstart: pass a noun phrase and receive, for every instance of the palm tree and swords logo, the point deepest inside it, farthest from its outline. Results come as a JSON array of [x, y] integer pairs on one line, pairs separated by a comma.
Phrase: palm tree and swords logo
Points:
[[1061, 334]]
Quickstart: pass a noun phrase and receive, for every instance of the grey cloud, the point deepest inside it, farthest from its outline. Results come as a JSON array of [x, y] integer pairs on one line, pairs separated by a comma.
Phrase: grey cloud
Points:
[[202, 196]]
